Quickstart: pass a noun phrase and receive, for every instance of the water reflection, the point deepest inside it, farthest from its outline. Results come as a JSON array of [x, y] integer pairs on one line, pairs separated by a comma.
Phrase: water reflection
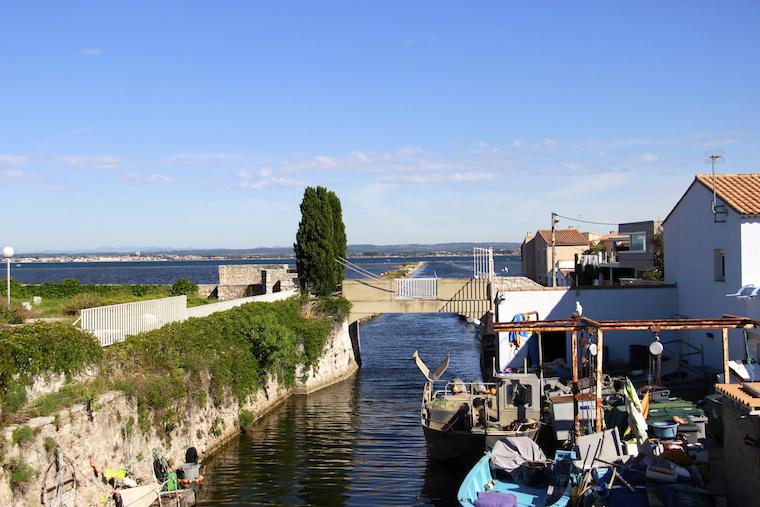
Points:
[[358, 442]]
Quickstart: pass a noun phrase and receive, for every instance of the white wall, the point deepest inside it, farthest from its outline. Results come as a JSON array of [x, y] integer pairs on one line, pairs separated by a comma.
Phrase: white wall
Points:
[[598, 303], [750, 230], [690, 237]]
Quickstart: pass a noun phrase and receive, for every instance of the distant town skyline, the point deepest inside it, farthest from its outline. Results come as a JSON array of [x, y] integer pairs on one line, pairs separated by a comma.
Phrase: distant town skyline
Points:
[[199, 125]]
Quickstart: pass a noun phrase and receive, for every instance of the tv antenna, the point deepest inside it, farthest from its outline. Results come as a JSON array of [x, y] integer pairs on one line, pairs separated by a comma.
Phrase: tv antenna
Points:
[[714, 158]]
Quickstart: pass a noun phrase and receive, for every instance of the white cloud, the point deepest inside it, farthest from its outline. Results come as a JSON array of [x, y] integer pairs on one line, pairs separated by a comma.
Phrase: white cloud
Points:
[[440, 178], [267, 182], [12, 173], [326, 162], [193, 158], [90, 161], [550, 143], [518, 143], [91, 52], [12, 160], [573, 166], [149, 178], [601, 154], [649, 157]]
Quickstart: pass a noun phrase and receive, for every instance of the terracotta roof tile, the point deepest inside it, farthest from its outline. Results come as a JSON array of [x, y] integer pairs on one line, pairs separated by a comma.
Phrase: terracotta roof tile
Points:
[[564, 237], [740, 191]]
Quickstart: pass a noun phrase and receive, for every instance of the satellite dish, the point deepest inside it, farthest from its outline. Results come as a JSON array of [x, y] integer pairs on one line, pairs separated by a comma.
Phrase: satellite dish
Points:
[[655, 348]]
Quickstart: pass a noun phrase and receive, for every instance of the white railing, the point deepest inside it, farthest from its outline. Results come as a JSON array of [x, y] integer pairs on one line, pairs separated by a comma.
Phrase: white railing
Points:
[[416, 288], [482, 263], [114, 323]]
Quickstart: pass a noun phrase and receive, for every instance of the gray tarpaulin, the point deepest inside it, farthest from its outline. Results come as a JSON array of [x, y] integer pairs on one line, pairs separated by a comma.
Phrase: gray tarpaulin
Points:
[[511, 452]]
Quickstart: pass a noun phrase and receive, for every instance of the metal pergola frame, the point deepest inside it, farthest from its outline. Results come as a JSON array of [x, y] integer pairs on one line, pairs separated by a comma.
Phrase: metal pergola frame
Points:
[[598, 327]]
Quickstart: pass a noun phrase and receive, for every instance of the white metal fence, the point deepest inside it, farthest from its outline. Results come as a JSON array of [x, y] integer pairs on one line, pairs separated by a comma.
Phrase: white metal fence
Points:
[[416, 288], [113, 323], [482, 263]]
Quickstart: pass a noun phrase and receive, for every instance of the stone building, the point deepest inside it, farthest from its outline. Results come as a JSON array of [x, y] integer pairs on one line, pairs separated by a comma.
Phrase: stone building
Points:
[[536, 252]]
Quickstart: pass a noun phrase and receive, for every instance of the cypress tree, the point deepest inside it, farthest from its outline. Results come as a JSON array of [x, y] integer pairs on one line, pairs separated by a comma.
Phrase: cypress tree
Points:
[[315, 246], [339, 235]]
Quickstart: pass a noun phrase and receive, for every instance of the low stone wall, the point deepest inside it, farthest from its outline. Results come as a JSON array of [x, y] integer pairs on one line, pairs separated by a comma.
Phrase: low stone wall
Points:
[[104, 433]]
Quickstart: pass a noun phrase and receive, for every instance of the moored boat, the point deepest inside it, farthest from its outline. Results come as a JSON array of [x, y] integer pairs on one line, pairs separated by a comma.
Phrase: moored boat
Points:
[[461, 420], [484, 484]]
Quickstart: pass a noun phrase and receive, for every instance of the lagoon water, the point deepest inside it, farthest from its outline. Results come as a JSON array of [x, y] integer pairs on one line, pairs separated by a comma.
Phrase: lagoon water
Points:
[[166, 272]]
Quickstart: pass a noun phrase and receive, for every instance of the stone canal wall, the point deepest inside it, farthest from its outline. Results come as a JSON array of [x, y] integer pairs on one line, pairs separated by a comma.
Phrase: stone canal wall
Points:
[[107, 432]]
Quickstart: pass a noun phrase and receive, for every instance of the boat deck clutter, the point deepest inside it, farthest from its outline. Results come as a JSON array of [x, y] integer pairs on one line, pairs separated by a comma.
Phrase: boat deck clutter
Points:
[[616, 440]]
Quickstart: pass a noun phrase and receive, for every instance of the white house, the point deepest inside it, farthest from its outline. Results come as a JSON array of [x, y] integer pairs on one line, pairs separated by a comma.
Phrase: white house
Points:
[[713, 249]]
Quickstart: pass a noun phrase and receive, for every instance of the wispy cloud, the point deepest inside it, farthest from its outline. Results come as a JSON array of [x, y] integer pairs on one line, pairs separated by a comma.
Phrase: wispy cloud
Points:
[[263, 183], [440, 178], [12, 160], [573, 166], [649, 157], [91, 52], [134, 178], [11, 173], [195, 158], [90, 161], [264, 179]]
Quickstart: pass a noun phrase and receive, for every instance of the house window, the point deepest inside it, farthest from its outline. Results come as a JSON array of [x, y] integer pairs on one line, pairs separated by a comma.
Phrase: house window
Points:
[[632, 242], [638, 242], [719, 265]]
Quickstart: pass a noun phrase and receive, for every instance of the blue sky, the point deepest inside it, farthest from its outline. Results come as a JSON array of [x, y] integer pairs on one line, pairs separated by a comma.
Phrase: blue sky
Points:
[[198, 124]]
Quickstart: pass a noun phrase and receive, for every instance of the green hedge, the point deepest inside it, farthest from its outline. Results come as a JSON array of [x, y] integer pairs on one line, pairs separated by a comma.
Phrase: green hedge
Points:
[[71, 287], [212, 359], [31, 350], [227, 355]]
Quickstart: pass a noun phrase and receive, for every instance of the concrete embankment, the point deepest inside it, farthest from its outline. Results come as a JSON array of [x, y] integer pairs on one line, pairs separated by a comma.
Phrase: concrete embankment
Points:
[[107, 433]]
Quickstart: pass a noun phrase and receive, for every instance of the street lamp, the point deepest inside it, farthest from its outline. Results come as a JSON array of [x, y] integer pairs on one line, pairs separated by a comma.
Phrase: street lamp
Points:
[[8, 253]]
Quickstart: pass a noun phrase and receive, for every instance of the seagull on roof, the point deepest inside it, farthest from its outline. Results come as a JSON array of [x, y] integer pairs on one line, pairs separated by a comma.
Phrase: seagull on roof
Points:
[[578, 310]]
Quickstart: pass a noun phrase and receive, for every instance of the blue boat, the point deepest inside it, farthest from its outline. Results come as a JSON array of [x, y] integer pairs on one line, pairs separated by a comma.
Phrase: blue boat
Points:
[[480, 479]]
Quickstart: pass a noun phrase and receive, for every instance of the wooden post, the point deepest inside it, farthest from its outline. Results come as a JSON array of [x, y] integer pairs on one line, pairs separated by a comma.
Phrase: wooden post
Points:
[[540, 361], [726, 373], [574, 362], [599, 361]]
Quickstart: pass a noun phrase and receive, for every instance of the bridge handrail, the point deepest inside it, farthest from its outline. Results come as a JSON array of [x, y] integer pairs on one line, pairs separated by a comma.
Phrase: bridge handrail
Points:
[[416, 288]]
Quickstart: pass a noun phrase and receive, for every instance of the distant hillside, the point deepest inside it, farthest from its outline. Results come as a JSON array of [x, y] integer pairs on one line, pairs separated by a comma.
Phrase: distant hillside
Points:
[[436, 248]]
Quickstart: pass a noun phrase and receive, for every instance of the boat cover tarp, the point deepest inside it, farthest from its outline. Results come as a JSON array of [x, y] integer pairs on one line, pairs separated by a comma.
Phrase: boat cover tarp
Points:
[[511, 452]]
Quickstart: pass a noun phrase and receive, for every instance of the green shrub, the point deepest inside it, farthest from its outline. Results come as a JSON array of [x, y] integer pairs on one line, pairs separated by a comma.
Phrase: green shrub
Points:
[[15, 397], [184, 287], [31, 350], [12, 314], [216, 427], [227, 355], [22, 436], [83, 300], [50, 444], [21, 474], [246, 419]]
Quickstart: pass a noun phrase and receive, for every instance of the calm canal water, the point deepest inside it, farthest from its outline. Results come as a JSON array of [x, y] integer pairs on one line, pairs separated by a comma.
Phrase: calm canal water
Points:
[[358, 442]]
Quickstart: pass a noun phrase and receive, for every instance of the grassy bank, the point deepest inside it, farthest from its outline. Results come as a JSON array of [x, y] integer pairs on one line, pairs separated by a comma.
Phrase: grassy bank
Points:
[[228, 355], [66, 298]]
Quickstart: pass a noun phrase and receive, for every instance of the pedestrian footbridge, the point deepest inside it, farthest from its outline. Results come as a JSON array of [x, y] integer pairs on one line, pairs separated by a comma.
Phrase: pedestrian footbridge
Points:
[[468, 297]]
